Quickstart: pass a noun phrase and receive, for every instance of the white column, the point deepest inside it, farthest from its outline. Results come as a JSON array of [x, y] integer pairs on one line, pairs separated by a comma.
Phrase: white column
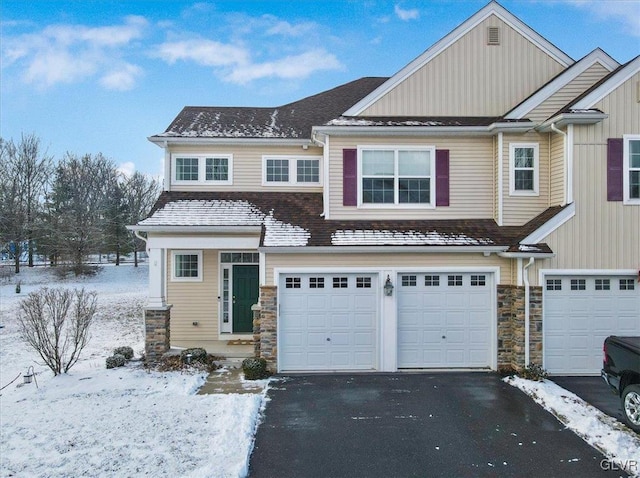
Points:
[[389, 324], [157, 274]]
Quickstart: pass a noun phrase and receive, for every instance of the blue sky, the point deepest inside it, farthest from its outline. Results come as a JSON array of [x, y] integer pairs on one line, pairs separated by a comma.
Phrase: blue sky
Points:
[[90, 76]]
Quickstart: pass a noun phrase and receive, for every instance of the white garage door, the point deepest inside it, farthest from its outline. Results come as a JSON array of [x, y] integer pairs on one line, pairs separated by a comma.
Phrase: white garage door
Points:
[[444, 320], [328, 322], [579, 313]]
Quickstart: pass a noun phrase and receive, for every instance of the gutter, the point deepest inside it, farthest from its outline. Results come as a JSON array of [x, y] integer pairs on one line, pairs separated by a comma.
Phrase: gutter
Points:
[[564, 119], [379, 248], [527, 313], [527, 255], [196, 229], [162, 141], [372, 130]]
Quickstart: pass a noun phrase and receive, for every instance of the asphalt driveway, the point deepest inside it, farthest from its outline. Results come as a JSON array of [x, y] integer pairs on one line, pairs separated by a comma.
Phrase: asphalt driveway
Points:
[[595, 392], [413, 424]]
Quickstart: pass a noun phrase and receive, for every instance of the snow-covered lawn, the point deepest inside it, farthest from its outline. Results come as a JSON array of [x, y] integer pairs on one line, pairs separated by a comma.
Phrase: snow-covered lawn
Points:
[[617, 442], [118, 422]]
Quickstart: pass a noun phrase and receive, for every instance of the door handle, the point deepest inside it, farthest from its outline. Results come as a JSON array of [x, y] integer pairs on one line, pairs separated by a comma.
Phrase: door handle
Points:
[[328, 339]]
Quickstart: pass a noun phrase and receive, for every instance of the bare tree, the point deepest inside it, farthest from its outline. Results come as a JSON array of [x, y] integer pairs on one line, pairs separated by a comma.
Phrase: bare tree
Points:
[[141, 192], [56, 322]]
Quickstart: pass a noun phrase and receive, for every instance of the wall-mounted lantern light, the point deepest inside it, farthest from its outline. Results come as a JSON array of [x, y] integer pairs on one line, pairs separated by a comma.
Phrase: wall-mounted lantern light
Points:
[[388, 287]]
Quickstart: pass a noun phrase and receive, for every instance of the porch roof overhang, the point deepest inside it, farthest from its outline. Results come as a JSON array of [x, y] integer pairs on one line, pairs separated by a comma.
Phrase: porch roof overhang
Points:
[[574, 117], [190, 229], [164, 141]]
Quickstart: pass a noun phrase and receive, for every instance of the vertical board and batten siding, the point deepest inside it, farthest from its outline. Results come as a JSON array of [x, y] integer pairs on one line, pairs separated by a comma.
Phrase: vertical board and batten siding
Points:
[[380, 261], [518, 210], [568, 93], [556, 169], [247, 167], [470, 180], [608, 232], [493, 78], [194, 301]]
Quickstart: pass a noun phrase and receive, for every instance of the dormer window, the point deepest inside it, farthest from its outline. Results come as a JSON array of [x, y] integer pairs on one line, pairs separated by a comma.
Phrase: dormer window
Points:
[[202, 169]]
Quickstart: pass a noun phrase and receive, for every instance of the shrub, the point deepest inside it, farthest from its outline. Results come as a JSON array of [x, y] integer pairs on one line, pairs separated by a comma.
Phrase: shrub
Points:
[[195, 355], [55, 322], [116, 360], [126, 352], [255, 368], [533, 371]]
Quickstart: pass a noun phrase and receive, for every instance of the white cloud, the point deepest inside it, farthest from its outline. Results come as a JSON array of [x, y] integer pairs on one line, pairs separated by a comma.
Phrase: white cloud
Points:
[[406, 15], [625, 12], [290, 67], [122, 78], [127, 169], [203, 52], [287, 29], [72, 53]]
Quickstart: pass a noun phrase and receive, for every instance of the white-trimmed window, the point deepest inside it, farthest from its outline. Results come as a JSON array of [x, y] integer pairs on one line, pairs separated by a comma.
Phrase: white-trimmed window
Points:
[[290, 170], [631, 168], [396, 176], [186, 266], [202, 168], [524, 171]]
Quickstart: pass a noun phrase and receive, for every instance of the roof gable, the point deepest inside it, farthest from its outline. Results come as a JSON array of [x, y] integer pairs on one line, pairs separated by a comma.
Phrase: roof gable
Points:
[[492, 9], [597, 56]]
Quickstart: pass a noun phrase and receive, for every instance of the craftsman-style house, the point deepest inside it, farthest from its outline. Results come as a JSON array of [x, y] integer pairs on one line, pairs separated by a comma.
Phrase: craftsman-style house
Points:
[[478, 209]]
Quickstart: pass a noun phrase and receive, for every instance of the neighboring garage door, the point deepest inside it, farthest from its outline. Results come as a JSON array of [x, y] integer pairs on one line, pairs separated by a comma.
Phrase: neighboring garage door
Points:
[[445, 320], [328, 322], [579, 313]]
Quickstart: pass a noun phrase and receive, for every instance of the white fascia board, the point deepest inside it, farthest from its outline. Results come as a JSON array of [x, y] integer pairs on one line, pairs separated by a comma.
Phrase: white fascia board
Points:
[[588, 272], [564, 119], [613, 82], [380, 249], [596, 56], [204, 242], [164, 141], [527, 255], [492, 8], [424, 130], [246, 230], [551, 225]]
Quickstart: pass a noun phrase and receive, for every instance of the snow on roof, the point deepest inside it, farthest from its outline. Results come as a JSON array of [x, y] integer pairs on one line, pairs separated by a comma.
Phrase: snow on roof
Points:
[[360, 237], [278, 233], [355, 121], [206, 213]]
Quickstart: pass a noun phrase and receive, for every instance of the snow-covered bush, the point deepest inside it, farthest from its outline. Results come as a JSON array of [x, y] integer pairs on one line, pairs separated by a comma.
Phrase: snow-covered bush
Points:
[[55, 322], [126, 351], [255, 368], [116, 360]]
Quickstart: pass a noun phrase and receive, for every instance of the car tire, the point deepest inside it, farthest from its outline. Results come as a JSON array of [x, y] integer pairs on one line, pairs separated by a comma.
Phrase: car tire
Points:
[[630, 402]]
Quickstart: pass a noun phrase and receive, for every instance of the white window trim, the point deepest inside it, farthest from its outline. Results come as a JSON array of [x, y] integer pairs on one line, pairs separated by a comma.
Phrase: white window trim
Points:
[[398, 205], [202, 170], [173, 265], [536, 169], [626, 169], [293, 170]]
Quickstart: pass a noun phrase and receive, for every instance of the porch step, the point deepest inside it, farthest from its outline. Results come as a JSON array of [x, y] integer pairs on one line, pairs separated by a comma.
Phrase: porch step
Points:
[[240, 342]]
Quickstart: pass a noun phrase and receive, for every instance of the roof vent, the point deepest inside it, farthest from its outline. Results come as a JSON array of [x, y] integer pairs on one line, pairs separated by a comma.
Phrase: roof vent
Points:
[[493, 35]]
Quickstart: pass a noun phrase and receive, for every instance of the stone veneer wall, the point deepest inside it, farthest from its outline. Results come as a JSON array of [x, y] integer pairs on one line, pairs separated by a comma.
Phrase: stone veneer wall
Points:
[[511, 332], [268, 346], [256, 310], [157, 332]]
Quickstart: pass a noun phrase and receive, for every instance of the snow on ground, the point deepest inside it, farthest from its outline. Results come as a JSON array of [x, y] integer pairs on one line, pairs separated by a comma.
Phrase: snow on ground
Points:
[[118, 422], [617, 442]]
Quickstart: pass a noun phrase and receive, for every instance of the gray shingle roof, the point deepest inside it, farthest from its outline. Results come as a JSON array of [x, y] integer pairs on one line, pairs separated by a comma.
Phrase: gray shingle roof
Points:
[[291, 121]]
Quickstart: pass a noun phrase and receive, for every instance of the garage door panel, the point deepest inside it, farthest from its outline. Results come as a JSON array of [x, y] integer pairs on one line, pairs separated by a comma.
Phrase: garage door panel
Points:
[[453, 308], [576, 322]]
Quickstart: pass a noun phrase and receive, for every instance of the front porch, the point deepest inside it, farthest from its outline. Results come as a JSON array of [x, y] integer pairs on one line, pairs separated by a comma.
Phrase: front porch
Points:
[[227, 349]]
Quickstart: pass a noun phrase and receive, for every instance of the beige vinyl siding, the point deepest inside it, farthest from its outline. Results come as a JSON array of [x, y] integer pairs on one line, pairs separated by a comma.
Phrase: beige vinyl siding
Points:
[[607, 232], [556, 170], [568, 93], [518, 210], [470, 78], [247, 167], [387, 261], [194, 301], [470, 182]]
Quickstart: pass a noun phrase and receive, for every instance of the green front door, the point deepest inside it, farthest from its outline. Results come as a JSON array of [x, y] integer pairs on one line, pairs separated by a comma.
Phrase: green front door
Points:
[[245, 294]]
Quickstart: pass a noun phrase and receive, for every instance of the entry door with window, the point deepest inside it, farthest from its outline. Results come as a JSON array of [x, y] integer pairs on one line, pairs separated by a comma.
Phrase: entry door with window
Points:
[[245, 294]]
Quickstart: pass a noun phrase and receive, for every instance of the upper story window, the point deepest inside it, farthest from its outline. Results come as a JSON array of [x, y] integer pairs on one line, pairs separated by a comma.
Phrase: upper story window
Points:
[[194, 169], [396, 176], [524, 169], [290, 170], [631, 168]]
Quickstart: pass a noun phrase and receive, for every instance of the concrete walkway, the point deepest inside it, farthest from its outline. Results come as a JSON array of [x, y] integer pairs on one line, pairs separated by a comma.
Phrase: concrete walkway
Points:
[[230, 379]]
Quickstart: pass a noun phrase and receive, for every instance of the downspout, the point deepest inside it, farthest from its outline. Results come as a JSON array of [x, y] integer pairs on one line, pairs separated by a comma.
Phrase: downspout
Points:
[[527, 293], [325, 166], [564, 161]]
